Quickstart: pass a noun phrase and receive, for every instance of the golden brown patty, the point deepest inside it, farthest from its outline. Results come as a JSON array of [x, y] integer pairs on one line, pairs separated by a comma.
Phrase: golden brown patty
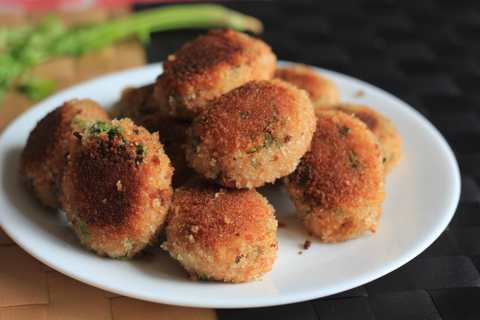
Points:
[[221, 234], [338, 186], [210, 66], [252, 135], [116, 187], [382, 128], [44, 155], [141, 107], [322, 91]]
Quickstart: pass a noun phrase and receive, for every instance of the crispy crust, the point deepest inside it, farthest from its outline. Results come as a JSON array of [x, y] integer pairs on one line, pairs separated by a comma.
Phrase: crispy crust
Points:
[[139, 104], [44, 155], [118, 186], [232, 120], [384, 129], [221, 234], [338, 186], [252, 135], [321, 90], [206, 52], [210, 66]]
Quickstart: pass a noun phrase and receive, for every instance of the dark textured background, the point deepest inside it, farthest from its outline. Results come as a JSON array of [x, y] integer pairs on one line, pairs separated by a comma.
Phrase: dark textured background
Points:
[[428, 54]]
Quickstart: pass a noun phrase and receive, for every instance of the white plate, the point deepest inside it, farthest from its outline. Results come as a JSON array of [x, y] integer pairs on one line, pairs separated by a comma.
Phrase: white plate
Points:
[[422, 194]]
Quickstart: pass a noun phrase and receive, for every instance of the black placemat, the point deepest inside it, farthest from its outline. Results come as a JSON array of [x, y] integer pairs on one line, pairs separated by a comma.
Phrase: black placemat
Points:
[[428, 54]]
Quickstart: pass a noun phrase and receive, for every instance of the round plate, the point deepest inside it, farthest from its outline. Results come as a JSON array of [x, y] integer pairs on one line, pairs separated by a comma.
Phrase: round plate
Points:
[[422, 194]]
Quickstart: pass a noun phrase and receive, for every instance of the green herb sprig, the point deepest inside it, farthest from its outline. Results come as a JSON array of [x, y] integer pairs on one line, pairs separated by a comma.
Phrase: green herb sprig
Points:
[[22, 48]]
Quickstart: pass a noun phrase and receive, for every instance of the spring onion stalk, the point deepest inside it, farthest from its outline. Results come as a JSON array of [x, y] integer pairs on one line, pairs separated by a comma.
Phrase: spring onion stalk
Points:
[[22, 48]]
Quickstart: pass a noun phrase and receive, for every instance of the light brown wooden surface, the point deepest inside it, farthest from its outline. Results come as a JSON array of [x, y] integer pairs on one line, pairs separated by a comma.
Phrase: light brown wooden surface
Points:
[[30, 290]]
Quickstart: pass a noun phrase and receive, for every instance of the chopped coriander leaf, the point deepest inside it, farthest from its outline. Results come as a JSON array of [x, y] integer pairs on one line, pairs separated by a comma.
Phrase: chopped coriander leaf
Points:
[[344, 131], [236, 71], [340, 212], [353, 158], [105, 127], [79, 122], [84, 231], [253, 149], [268, 139], [141, 150], [202, 276], [22, 48], [114, 131], [99, 127]]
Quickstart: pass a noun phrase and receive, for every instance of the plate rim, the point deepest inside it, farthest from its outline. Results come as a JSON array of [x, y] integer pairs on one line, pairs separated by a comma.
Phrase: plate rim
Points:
[[285, 299]]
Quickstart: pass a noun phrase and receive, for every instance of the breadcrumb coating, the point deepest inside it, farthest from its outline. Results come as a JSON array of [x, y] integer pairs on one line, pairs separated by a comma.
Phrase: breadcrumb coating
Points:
[[139, 105], [321, 90], [384, 129], [209, 66], [252, 135], [116, 187], [43, 157], [338, 187], [221, 234]]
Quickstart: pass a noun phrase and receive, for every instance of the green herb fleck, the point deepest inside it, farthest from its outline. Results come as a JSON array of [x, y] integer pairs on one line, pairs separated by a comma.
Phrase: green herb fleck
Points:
[[236, 71], [353, 158], [84, 231], [79, 122], [344, 131], [100, 127], [253, 149], [268, 139], [22, 48], [202, 276], [141, 150], [243, 115], [114, 131]]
